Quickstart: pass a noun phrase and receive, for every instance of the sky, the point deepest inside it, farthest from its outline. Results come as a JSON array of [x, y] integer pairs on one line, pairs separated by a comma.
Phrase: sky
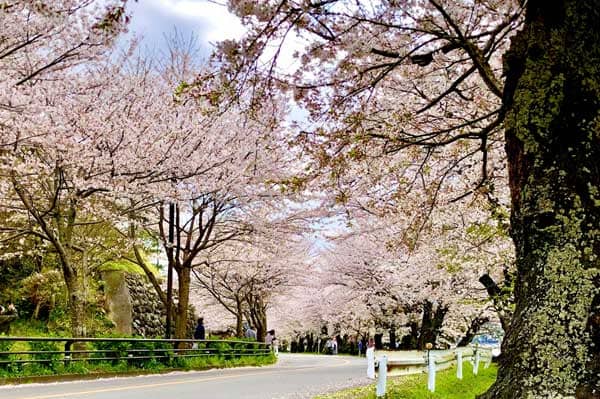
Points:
[[211, 22]]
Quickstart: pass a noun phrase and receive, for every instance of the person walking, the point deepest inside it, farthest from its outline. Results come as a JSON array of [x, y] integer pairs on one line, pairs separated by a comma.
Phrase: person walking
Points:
[[250, 333], [271, 341], [200, 332]]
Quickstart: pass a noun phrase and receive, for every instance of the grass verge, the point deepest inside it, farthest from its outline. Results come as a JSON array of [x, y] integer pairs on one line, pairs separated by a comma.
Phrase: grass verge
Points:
[[447, 386], [58, 370]]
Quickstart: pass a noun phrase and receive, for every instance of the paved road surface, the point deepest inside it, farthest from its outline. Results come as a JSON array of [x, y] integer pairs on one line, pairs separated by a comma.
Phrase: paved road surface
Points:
[[293, 377]]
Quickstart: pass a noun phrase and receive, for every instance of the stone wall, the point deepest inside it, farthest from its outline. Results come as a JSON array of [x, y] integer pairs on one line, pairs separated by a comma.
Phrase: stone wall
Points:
[[135, 307], [147, 310]]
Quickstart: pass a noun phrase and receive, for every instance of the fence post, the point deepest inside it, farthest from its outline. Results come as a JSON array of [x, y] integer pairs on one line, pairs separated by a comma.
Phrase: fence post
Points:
[[371, 363], [381, 381], [430, 371], [459, 362], [68, 355], [476, 364]]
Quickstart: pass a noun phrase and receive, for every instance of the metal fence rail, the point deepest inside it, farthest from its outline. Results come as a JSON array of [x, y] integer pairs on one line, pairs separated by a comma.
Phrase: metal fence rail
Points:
[[431, 363], [132, 350]]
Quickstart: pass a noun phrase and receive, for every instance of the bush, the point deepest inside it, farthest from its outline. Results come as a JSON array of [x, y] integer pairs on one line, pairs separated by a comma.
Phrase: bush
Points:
[[45, 290], [113, 349], [46, 347], [5, 346]]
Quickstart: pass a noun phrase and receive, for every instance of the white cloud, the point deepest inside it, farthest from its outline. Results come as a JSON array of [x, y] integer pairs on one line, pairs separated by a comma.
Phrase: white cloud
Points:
[[211, 22]]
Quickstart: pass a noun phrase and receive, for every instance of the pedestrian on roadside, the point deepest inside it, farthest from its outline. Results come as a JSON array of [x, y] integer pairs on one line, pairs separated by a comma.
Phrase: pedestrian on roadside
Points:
[[271, 341], [270, 337], [250, 333], [360, 347], [199, 332]]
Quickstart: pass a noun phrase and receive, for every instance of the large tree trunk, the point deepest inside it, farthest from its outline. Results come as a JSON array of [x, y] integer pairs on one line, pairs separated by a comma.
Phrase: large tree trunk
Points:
[[431, 324], [257, 312], [392, 332], [552, 98], [183, 303], [76, 302], [239, 319]]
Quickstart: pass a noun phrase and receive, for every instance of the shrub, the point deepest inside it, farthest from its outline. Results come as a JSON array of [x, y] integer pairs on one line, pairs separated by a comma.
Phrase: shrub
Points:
[[5, 346], [113, 349], [51, 360]]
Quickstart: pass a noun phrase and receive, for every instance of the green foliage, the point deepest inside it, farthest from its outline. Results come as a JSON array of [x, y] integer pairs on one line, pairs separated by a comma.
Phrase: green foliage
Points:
[[451, 260], [29, 328], [12, 271], [447, 386], [47, 348], [479, 232], [45, 290], [5, 346], [59, 322], [112, 349]]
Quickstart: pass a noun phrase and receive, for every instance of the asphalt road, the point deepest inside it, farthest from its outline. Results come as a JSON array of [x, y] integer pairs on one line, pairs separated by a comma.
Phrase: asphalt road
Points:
[[293, 377]]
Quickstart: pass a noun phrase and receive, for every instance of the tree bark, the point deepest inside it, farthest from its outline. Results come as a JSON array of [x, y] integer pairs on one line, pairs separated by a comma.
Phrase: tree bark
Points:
[[431, 323], [183, 303], [392, 332], [552, 125], [76, 303], [239, 318], [257, 312]]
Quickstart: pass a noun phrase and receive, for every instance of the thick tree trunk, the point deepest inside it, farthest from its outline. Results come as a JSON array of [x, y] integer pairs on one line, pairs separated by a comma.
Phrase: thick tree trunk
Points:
[[258, 315], [76, 303], [392, 332], [239, 319], [183, 303], [552, 98], [431, 324]]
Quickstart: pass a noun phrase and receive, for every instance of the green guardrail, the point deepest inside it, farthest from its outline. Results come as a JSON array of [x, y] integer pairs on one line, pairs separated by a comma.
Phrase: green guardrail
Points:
[[134, 351]]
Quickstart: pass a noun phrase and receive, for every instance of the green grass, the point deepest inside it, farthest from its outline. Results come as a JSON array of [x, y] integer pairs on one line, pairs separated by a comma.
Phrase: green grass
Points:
[[59, 368], [447, 386]]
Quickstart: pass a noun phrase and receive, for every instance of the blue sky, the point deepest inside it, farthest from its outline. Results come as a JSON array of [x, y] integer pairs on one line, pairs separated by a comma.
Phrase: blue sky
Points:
[[210, 21]]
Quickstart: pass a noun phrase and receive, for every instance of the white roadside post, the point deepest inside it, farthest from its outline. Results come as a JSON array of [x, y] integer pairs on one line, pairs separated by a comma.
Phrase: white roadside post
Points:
[[476, 365], [488, 360], [430, 368], [371, 363], [459, 365], [382, 377]]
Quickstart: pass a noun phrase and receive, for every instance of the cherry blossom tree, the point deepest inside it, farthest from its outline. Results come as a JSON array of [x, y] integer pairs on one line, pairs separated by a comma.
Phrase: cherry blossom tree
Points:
[[426, 76], [41, 46], [39, 43], [247, 276]]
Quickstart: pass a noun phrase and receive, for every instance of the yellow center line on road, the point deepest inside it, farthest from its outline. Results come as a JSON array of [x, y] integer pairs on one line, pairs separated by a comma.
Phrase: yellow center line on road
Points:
[[178, 382]]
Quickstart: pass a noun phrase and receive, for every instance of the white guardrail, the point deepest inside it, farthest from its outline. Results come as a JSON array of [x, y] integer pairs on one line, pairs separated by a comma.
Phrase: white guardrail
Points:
[[390, 363]]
